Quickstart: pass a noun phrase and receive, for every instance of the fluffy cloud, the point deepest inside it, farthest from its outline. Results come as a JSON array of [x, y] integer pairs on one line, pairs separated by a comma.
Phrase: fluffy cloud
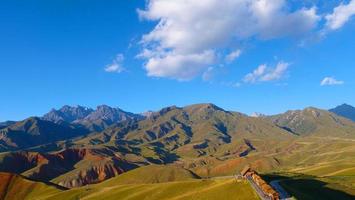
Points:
[[189, 34], [233, 55], [179, 66], [116, 65], [330, 81], [340, 15], [264, 73]]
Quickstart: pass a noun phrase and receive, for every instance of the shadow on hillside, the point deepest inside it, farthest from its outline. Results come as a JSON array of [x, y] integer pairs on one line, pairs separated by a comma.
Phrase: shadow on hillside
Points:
[[308, 188], [47, 183]]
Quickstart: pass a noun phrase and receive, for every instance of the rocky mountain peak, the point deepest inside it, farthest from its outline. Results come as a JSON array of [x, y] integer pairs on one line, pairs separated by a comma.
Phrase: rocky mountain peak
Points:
[[147, 114], [68, 114], [105, 112]]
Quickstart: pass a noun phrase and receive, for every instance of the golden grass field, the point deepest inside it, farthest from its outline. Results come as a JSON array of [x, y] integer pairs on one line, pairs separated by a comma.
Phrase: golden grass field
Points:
[[195, 189], [192, 189]]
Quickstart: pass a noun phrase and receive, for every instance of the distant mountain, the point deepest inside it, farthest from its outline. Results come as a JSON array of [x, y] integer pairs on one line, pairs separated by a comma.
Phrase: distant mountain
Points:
[[35, 131], [314, 121], [68, 114], [104, 116], [256, 114], [344, 110], [147, 113], [6, 124], [93, 120]]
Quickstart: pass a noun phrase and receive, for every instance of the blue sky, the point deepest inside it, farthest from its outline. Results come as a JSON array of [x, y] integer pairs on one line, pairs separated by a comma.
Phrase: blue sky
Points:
[[256, 57]]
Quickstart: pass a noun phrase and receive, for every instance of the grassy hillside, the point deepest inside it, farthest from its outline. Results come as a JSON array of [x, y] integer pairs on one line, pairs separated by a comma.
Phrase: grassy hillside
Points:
[[152, 174], [196, 189], [14, 187], [313, 121]]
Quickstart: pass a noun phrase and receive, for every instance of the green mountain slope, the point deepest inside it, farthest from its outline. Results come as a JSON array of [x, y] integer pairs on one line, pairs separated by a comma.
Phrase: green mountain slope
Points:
[[34, 131], [313, 121], [173, 132], [152, 174], [197, 189], [14, 187]]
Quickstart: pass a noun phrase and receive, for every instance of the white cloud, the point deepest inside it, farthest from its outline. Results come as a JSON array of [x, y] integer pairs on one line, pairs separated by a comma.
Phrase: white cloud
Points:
[[116, 65], [189, 34], [330, 81], [340, 15], [264, 73], [256, 74], [179, 66], [233, 55]]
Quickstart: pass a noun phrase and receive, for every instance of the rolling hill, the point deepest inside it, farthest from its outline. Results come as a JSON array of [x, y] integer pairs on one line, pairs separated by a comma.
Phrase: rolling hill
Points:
[[150, 182], [14, 187], [153, 174]]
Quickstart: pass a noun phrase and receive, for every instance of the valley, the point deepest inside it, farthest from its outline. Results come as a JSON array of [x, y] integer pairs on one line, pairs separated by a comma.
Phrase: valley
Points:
[[174, 153]]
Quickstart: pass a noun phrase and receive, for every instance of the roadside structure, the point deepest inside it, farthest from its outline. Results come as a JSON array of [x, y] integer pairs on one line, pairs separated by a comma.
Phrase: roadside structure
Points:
[[264, 190]]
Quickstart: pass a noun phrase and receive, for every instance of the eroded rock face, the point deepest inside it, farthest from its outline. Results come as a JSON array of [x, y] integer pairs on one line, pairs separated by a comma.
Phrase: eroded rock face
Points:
[[93, 175], [68, 168]]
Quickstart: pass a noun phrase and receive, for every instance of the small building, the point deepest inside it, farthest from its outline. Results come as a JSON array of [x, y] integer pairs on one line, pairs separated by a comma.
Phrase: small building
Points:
[[245, 170], [264, 187]]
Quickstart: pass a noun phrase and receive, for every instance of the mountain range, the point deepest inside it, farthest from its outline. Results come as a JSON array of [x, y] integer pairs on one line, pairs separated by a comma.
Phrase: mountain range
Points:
[[93, 120], [76, 146]]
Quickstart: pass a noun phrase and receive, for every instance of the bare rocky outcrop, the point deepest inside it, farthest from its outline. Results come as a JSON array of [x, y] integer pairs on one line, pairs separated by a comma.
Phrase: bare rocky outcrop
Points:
[[92, 175]]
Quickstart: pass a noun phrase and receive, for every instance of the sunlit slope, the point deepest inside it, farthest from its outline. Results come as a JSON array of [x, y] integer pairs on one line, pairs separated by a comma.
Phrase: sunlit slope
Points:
[[152, 174], [315, 122], [176, 133], [150, 182], [316, 165], [153, 182], [14, 187], [196, 189]]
